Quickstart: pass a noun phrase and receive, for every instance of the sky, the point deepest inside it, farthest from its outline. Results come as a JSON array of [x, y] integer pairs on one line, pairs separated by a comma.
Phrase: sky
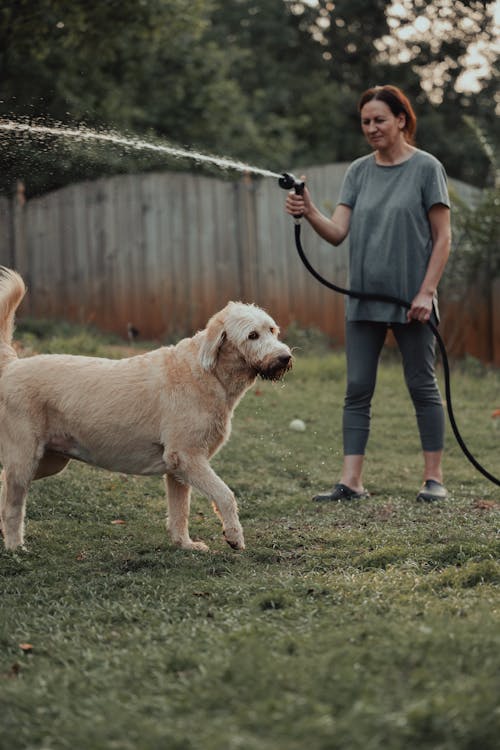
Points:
[[436, 22]]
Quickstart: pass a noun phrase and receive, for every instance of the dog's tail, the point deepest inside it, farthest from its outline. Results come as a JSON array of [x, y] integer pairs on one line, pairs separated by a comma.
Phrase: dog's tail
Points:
[[12, 291]]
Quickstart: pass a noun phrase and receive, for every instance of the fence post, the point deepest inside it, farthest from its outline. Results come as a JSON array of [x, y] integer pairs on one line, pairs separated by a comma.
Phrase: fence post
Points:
[[18, 246], [247, 233], [18, 259]]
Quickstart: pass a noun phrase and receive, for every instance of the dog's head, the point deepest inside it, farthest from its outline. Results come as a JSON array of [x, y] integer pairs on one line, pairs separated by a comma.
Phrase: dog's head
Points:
[[251, 334]]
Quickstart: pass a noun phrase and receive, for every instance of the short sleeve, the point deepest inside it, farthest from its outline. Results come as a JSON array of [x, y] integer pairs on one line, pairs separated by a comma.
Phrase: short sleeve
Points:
[[348, 192], [436, 186]]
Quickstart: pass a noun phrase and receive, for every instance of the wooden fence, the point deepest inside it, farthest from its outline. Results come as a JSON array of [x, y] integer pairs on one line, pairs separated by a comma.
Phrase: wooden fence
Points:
[[164, 251]]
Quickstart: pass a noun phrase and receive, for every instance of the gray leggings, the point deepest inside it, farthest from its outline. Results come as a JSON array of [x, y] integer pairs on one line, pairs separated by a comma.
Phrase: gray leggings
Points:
[[364, 341]]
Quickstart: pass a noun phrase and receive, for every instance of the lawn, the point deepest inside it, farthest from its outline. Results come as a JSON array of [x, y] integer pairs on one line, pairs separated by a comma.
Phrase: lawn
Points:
[[374, 624]]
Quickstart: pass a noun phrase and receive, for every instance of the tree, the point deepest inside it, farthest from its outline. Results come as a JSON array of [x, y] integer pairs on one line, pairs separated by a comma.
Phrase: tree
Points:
[[453, 47], [476, 229], [272, 82], [90, 62]]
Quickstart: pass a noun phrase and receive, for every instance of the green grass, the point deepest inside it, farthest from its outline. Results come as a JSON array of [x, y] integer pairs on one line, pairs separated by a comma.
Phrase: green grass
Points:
[[354, 626]]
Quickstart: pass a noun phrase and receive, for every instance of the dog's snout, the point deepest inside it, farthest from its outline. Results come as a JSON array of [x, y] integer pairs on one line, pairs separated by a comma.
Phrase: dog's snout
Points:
[[276, 367]]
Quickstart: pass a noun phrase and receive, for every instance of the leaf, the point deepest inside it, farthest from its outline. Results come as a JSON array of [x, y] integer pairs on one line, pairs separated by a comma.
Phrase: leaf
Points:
[[485, 504]]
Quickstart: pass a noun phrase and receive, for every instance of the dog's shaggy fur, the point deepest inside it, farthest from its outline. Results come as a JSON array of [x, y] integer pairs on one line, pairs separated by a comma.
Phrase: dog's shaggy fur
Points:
[[166, 412]]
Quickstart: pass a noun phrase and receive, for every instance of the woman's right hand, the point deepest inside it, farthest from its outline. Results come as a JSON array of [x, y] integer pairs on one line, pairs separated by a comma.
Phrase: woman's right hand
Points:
[[298, 205]]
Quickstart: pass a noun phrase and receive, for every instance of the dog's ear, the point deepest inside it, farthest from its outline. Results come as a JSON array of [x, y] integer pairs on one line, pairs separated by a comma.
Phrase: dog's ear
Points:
[[215, 335]]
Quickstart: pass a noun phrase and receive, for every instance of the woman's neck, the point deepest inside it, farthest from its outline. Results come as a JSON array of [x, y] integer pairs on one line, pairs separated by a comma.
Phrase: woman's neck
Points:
[[396, 154]]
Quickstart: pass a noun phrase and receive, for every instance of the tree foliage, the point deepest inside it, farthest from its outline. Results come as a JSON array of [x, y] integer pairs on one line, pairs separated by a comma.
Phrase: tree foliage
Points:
[[273, 82], [476, 229]]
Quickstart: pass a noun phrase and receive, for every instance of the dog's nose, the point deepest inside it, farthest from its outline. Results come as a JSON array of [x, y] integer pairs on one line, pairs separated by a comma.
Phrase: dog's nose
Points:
[[284, 359]]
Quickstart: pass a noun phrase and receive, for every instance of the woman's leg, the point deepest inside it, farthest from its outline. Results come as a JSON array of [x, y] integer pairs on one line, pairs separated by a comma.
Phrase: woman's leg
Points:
[[417, 345], [363, 343], [352, 471]]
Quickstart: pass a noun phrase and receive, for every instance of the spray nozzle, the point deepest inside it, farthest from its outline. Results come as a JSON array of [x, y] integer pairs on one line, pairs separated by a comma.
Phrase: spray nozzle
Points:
[[287, 181]]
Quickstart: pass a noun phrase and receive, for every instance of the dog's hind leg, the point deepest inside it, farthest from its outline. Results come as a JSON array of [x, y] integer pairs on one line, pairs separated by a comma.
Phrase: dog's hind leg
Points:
[[179, 500], [200, 475], [12, 507]]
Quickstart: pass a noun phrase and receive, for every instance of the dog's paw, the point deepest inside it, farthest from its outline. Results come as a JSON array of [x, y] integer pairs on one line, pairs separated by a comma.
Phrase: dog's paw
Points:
[[199, 546], [234, 537], [16, 549], [194, 546], [14, 544]]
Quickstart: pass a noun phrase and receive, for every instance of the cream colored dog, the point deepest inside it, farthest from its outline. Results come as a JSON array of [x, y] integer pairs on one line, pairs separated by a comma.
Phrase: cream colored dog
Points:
[[166, 412]]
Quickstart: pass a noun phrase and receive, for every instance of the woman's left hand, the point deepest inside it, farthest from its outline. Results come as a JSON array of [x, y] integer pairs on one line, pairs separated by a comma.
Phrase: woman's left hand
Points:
[[421, 307]]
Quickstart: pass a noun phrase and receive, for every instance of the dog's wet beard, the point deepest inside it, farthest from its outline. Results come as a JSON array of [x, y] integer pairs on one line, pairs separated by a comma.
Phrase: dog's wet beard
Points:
[[275, 373]]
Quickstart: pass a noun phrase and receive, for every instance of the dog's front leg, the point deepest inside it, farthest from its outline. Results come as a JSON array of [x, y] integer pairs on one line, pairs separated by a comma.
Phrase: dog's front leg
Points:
[[200, 475], [12, 508], [178, 498]]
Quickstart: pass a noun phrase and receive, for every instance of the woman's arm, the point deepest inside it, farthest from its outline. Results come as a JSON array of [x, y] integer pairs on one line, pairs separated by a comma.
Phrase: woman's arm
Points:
[[439, 218], [333, 230]]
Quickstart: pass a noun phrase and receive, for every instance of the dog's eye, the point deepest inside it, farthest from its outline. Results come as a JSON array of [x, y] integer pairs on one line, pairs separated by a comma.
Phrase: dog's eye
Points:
[[253, 335]]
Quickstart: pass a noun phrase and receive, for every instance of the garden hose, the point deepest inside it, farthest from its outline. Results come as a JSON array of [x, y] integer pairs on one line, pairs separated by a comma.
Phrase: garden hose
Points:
[[287, 181]]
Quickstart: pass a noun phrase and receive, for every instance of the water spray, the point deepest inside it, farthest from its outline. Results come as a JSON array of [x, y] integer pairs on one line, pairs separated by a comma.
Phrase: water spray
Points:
[[85, 134]]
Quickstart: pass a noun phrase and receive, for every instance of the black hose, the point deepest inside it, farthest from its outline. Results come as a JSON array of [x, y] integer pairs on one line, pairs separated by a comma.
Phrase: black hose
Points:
[[442, 348]]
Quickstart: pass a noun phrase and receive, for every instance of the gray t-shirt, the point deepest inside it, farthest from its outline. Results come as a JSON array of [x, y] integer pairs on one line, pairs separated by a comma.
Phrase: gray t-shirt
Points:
[[390, 241]]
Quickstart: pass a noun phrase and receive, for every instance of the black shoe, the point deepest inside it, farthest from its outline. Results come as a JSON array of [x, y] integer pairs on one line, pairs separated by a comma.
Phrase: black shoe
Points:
[[432, 491], [338, 493]]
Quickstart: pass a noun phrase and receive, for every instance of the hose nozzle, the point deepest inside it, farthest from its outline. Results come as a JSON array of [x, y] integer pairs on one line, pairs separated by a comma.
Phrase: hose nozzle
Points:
[[287, 181]]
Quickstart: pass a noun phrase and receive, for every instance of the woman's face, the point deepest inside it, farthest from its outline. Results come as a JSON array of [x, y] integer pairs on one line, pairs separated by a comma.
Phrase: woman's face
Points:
[[380, 127]]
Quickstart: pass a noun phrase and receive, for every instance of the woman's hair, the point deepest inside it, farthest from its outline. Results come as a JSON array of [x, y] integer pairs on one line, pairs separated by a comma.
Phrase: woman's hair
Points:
[[397, 102]]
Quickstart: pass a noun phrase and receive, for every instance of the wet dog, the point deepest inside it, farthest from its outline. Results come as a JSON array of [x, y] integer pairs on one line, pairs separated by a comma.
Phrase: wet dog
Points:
[[166, 412]]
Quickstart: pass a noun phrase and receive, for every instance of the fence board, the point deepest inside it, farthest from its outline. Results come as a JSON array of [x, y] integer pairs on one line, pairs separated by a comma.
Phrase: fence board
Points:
[[171, 295], [248, 246], [6, 238], [179, 255]]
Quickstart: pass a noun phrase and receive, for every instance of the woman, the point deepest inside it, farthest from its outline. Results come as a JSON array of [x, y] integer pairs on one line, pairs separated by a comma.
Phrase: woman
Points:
[[394, 206]]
